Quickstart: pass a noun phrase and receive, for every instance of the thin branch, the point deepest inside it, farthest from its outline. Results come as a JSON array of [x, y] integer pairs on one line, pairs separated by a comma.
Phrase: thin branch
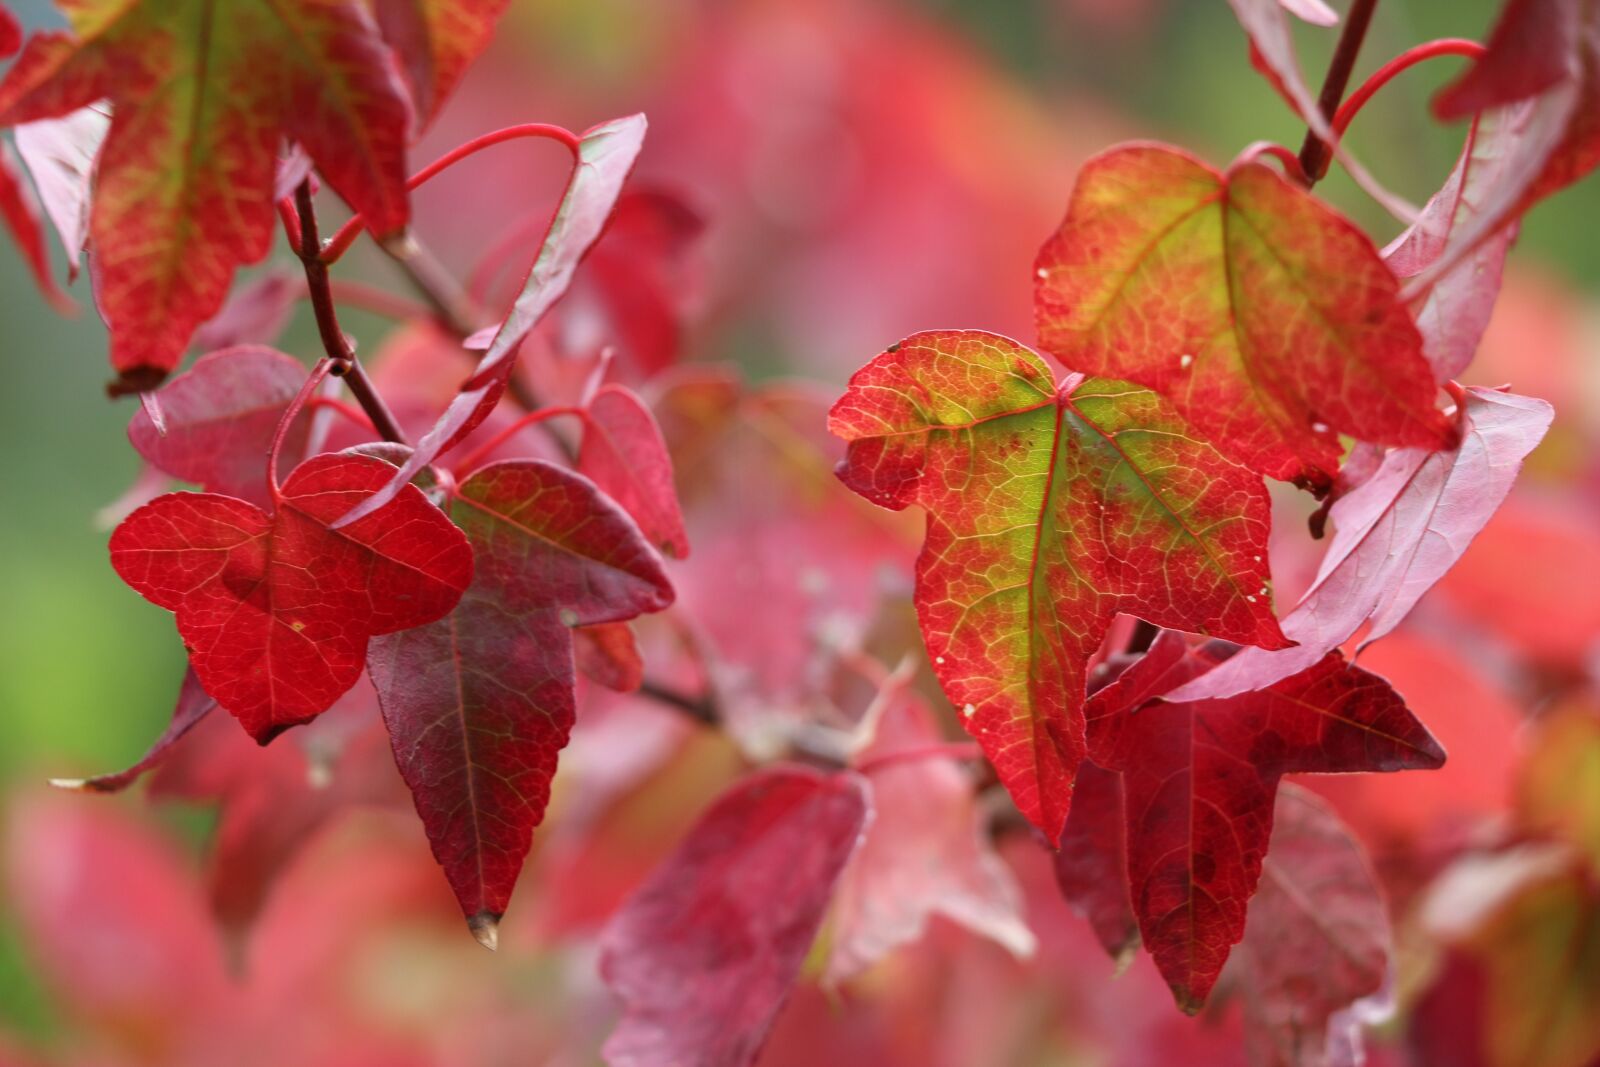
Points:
[[345, 364], [701, 709], [1315, 152], [452, 307]]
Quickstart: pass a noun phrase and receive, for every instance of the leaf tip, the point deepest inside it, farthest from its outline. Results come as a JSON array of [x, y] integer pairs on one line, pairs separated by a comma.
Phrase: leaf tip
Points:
[[485, 926], [71, 785]]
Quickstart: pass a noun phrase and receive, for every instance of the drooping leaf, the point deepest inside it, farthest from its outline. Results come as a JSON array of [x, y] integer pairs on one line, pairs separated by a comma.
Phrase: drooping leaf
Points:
[[271, 802], [605, 156], [276, 610], [193, 705], [19, 208], [220, 416], [202, 91], [437, 40], [1092, 863], [624, 454], [1453, 310], [1049, 510], [1315, 960], [927, 853], [770, 525], [480, 703], [1199, 782], [1397, 534], [1268, 320], [703, 955], [61, 154], [254, 314], [1558, 784]]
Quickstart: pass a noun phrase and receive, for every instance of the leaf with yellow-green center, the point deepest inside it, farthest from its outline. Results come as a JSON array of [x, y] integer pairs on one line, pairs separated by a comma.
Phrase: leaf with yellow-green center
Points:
[[202, 94], [1267, 319], [1049, 510]]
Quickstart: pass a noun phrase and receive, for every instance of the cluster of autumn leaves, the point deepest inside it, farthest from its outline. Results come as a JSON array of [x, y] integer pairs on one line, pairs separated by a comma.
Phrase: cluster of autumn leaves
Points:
[[1219, 328]]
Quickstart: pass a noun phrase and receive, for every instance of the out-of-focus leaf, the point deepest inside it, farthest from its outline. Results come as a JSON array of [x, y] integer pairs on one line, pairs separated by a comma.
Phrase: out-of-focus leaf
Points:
[[255, 314], [703, 955], [1049, 510], [19, 208], [1315, 960], [926, 853], [1558, 784]]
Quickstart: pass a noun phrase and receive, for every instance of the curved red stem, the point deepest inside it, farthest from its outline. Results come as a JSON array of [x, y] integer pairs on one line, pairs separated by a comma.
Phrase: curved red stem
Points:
[[349, 411], [345, 237], [1447, 46], [473, 458], [290, 413]]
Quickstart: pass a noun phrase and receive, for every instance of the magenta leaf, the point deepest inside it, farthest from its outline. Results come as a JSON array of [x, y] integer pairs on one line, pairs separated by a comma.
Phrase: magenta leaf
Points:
[[480, 703], [1091, 866], [256, 313], [220, 417], [704, 954], [606, 155], [1397, 534]]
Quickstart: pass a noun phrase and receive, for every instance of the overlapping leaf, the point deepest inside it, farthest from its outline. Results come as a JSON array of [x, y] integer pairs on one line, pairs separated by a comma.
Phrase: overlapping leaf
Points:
[[437, 40], [1049, 510], [276, 610], [1315, 960], [1397, 534], [192, 706], [1268, 320], [480, 703], [1199, 782], [202, 92], [605, 156], [703, 956], [219, 418]]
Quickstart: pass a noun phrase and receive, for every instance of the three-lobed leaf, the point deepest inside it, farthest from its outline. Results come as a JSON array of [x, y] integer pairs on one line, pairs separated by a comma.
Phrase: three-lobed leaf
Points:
[[202, 93], [1267, 320], [1199, 781], [1049, 510], [276, 610]]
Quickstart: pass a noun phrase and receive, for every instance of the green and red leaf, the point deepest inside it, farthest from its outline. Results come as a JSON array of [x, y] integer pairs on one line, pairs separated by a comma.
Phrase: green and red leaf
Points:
[[202, 94], [1268, 320], [1049, 510]]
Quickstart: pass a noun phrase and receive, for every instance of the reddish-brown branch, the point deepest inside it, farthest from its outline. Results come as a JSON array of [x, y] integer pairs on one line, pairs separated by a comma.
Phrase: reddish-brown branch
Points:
[[1315, 152], [345, 364]]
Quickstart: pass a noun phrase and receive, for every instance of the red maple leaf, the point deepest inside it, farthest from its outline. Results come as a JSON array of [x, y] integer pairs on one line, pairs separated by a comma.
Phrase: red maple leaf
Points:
[[276, 610]]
